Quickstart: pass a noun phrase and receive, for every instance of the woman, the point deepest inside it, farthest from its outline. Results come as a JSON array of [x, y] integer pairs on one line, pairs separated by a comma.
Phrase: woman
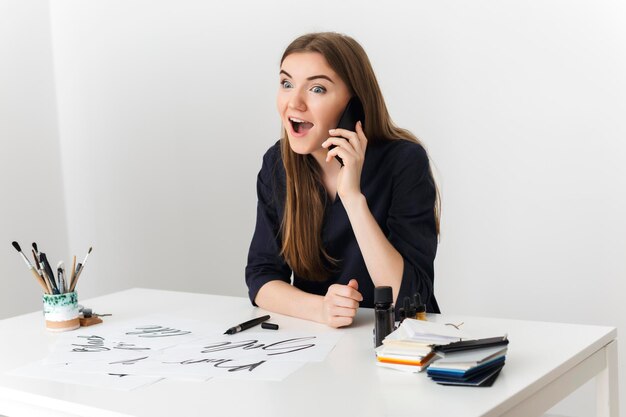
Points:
[[341, 230]]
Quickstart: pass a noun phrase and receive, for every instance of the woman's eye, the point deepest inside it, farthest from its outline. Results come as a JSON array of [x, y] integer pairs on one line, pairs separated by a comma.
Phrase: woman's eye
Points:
[[285, 84], [317, 89]]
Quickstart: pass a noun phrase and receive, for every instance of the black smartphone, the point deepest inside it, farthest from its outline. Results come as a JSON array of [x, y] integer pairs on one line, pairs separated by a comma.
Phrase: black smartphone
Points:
[[352, 114]]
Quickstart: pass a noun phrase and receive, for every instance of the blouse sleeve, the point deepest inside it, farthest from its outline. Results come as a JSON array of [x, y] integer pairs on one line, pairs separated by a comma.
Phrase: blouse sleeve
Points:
[[411, 224], [265, 263]]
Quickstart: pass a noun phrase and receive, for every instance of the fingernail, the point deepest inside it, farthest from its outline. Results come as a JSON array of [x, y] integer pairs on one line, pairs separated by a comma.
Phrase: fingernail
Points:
[[331, 130]]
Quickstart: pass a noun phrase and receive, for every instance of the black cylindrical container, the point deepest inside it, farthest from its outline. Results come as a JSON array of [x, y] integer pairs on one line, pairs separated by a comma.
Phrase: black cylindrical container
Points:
[[383, 313]]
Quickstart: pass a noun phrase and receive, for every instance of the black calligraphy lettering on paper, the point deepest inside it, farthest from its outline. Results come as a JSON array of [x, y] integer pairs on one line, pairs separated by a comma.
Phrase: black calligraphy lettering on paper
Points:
[[93, 344], [157, 331], [250, 367], [128, 361], [222, 364], [277, 348], [129, 346], [284, 346], [97, 344], [218, 346]]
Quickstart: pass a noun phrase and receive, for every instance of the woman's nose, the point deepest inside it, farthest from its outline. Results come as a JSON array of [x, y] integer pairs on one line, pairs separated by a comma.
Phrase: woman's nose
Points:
[[297, 102]]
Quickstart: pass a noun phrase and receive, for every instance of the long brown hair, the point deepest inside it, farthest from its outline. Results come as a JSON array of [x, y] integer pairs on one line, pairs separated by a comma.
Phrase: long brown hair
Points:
[[301, 228]]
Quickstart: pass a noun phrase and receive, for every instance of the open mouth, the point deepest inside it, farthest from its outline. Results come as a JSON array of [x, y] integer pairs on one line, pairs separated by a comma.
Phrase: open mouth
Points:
[[300, 126]]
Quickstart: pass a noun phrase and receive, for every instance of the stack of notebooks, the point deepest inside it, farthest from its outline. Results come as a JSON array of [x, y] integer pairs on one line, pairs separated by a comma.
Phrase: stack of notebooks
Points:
[[410, 348], [470, 362], [449, 355], [405, 356]]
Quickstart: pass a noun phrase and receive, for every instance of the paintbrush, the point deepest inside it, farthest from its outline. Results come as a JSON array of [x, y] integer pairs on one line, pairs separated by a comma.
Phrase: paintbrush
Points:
[[40, 270], [47, 269], [31, 267], [80, 270], [73, 273]]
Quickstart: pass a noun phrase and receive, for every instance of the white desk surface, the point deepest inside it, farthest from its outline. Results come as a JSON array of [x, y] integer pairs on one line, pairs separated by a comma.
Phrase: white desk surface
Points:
[[347, 383]]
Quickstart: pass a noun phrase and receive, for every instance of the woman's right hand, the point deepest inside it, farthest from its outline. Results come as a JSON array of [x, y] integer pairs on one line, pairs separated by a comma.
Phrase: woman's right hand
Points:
[[340, 304]]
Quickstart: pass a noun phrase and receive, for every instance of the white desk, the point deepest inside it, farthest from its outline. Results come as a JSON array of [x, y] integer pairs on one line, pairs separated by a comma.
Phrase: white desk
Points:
[[545, 363]]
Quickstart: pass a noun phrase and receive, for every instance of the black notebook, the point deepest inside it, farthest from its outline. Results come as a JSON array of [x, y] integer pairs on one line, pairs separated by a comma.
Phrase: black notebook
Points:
[[472, 344]]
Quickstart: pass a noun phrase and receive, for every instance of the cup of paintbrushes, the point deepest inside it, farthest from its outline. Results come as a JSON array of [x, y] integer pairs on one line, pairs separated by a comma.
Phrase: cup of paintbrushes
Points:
[[61, 311]]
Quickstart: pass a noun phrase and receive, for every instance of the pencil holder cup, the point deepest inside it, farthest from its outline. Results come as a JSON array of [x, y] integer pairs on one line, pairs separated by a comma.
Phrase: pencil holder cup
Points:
[[61, 311]]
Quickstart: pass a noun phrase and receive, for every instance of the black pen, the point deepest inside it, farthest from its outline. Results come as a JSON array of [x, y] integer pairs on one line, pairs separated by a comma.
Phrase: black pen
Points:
[[247, 325], [48, 271]]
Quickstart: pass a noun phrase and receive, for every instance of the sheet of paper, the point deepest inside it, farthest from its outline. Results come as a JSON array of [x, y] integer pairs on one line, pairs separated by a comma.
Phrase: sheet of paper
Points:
[[125, 340], [420, 327], [217, 366], [268, 371], [198, 369], [58, 373], [148, 366], [246, 355], [78, 348], [275, 347], [159, 331], [170, 347]]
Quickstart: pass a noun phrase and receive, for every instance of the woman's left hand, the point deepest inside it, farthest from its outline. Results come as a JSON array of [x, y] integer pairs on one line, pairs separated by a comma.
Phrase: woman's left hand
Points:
[[352, 152]]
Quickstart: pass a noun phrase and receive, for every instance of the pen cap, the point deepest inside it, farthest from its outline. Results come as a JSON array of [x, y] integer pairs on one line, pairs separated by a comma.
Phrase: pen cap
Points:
[[383, 295]]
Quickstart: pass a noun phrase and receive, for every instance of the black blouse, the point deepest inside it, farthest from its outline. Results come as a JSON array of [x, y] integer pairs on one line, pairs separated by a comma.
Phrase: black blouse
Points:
[[400, 193]]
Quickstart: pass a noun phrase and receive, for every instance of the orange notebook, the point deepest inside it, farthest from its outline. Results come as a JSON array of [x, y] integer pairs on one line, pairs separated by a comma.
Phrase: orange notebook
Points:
[[403, 361]]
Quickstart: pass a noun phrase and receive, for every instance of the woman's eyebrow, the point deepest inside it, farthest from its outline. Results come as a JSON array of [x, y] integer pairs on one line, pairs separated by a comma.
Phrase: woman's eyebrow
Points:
[[313, 77]]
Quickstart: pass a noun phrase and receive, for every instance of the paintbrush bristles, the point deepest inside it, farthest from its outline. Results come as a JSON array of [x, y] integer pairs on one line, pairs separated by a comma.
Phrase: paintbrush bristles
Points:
[[38, 277], [87, 256], [79, 270], [19, 250]]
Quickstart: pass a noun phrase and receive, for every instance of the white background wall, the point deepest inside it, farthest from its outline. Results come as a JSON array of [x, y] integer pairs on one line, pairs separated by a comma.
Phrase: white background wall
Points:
[[31, 188], [165, 109]]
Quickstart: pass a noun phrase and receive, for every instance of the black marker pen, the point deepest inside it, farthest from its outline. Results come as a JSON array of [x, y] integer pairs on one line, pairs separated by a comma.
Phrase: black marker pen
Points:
[[247, 325]]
